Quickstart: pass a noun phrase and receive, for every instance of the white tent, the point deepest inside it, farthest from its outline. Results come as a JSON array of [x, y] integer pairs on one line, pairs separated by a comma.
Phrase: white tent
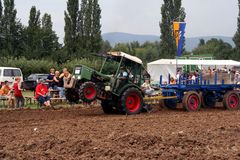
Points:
[[165, 67]]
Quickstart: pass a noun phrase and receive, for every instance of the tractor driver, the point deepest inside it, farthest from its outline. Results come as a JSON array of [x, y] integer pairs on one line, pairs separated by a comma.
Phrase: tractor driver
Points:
[[122, 77], [123, 74]]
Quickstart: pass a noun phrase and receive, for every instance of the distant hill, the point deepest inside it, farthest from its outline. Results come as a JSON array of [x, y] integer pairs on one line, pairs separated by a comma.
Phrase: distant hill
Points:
[[191, 43]]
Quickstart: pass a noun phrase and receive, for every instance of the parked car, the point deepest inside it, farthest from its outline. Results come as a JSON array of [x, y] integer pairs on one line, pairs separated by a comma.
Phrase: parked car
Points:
[[9, 74], [30, 82]]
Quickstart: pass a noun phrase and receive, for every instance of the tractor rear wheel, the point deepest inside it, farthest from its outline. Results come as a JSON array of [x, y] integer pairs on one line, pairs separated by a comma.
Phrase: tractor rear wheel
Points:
[[231, 100], [88, 92], [132, 101], [208, 99], [192, 101]]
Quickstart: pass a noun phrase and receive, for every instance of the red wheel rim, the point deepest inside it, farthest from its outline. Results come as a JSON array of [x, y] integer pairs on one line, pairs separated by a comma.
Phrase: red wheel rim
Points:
[[233, 101], [133, 102], [193, 102], [90, 92]]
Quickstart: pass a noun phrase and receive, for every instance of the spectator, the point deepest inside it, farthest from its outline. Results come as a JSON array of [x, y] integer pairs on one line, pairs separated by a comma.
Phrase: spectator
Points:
[[55, 80], [210, 71], [189, 78], [42, 94], [172, 80], [58, 83], [50, 78], [193, 77], [6, 92], [68, 80], [178, 75], [146, 87], [18, 93], [237, 77]]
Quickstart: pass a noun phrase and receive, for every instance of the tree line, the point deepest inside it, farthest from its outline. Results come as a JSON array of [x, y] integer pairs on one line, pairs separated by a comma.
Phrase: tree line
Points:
[[38, 40]]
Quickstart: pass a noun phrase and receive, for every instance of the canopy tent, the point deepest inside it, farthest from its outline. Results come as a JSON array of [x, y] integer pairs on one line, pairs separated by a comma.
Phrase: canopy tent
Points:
[[165, 67]]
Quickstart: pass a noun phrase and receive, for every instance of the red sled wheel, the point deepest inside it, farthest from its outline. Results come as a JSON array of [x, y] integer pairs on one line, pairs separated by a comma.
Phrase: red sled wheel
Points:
[[231, 100], [132, 101], [88, 92], [192, 101]]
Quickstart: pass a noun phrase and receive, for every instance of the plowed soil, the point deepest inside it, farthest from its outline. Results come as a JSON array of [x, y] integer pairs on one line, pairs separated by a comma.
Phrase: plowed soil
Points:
[[87, 133]]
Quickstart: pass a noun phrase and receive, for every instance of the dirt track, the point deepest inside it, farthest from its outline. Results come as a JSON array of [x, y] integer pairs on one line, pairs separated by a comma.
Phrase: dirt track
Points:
[[89, 134]]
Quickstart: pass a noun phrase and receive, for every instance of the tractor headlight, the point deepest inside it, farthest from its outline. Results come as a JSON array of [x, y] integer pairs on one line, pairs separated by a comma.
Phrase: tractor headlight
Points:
[[107, 88]]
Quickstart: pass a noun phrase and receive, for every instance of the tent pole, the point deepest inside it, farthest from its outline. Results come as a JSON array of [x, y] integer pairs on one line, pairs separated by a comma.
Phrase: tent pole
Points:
[[176, 65]]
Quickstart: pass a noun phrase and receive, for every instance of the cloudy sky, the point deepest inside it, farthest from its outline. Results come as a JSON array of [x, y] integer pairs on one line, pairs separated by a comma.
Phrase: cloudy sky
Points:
[[204, 17]]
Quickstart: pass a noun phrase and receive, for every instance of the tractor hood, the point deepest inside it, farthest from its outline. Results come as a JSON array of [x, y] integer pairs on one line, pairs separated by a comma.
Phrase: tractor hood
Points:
[[85, 73]]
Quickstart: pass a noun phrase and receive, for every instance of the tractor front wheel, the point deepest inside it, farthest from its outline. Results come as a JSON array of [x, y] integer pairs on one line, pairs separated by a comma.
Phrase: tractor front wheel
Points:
[[231, 100], [192, 101], [88, 92], [132, 101], [72, 95]]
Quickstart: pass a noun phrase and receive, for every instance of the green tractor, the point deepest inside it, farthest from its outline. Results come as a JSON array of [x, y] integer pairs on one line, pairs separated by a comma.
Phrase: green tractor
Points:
[[119, 91]]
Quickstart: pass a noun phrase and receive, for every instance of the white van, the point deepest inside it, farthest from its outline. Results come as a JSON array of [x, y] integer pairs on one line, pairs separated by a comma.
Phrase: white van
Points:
[[9, 74]]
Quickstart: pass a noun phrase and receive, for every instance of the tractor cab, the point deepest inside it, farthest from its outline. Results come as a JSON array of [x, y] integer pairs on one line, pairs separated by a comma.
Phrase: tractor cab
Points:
[[128, 70]]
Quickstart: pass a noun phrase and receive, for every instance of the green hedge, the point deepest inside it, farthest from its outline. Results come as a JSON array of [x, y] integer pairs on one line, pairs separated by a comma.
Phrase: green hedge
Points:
[[42, 66]]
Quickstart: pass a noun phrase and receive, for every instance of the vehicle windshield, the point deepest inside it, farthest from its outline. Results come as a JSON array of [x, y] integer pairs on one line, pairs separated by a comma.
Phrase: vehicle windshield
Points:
[[109, 67]]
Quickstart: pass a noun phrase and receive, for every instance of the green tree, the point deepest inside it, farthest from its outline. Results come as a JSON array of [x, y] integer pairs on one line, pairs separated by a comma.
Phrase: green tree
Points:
[[106, 46], [216, 48], [96, 38], [121, 47], [49, 38], [11, 30], [201, 42], [171, 11], [236, 37], [71, 21], [1, 8], [82, 27], [33, 46], [1, 29]]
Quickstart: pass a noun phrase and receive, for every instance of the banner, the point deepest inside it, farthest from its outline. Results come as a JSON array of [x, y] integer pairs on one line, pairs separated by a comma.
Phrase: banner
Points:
[[179, 31]]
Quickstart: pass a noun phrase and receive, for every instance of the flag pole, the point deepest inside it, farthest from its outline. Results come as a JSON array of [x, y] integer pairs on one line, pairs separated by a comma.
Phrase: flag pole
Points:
[[179, 30]]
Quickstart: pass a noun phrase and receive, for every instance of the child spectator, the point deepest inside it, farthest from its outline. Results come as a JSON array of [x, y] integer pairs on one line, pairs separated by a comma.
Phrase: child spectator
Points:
[[58, 83], [50, 78], [18, 93], [42, 94], [6, 92], [172, 81]]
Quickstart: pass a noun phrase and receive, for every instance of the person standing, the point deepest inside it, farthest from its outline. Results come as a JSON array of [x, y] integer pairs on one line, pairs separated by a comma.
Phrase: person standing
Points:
[[18, 93], [68, 79], [50, 78], [58, 84]]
